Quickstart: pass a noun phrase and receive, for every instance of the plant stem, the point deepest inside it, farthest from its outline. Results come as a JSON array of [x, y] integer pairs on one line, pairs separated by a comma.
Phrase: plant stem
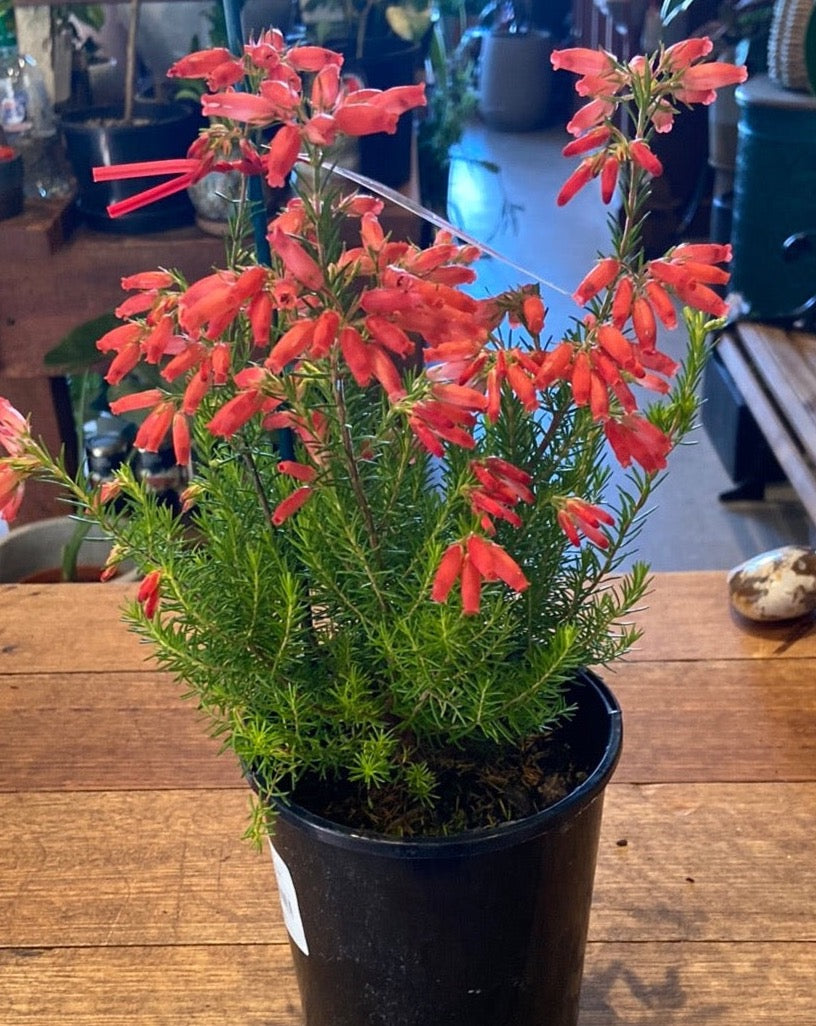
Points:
[[134, 9]]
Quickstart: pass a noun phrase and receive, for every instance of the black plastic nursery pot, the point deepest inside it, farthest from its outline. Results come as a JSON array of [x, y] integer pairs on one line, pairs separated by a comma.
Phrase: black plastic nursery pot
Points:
[[97, 137], [486, 928]]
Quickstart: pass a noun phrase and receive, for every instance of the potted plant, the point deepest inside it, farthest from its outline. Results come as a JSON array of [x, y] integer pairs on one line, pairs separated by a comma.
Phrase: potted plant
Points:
[[399, 556], [515, 77], [140, 129]]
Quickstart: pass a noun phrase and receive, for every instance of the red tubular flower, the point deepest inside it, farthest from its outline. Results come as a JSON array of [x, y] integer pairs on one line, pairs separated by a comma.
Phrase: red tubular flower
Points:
[[591, 140], [657, 361], [583, 61], [359, 119], [155, 426], [643, 321], [236, 412], [299, 471], [576, 517], [158, 339], [448, 572], [148, 594], [135, 305], [320, 130], [325, 334], [533, 313], [326, 88], [207, 64], [495, 564], [181, 439], [622, 302], [643, 156], [584, 173], [632, 437], [291, 504], [472, 561], [296, 260], [703, 252], [609, 179], [677, 272], [191, 356], [313, 58], [523, 385], [598, 396], [661, 304], [250, 108], [712, 75], [383, 369], [13, 428], [471, 587], [590, 115], [502, 486], [220, 359], [147, 281], [482, 503], [389, 335], [136, 401], [197, 387], [12, 489], [683, 54], [600, 277], [435, 422], [123, 363], [293, 345], [580, 380], [282, 155], [463, 396], [400, 99], [701, 298], [355, 353], [555, 366]]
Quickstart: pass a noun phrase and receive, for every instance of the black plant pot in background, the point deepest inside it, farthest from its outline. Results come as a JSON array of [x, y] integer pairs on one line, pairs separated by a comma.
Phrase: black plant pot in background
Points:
[[11, 187], [486, 928], [515, 80], [97, 137]]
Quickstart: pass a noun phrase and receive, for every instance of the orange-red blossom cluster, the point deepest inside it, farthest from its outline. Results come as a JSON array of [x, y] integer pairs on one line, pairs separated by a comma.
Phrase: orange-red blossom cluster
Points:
[[274, 96], [409, 303]]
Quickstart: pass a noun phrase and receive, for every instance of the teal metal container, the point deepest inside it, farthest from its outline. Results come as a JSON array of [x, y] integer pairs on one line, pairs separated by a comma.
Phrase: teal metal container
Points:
[[774, 196]]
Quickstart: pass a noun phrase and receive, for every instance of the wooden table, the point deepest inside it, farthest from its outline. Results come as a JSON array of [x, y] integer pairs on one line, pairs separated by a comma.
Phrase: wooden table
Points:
[[128, 896]]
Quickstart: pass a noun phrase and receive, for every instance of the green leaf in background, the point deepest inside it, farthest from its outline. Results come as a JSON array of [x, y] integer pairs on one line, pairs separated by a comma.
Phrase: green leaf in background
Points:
[[77, 352]]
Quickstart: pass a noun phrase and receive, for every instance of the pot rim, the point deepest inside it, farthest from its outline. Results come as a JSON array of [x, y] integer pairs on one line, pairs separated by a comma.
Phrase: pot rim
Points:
[[159, 111], [474, 842]]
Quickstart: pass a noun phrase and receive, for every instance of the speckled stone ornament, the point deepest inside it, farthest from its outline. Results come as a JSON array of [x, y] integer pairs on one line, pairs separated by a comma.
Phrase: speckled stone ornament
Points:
[[775, 585]]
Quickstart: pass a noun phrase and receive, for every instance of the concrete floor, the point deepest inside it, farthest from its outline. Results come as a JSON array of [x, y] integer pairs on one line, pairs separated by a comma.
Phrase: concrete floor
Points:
[[514, 211]]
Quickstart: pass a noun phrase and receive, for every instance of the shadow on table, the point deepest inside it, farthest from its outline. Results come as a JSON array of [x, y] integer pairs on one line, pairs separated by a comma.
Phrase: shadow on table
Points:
[[599, 1002]]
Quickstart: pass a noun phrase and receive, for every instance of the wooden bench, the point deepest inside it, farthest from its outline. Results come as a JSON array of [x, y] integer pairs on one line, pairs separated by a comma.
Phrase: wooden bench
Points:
[[775, 370]]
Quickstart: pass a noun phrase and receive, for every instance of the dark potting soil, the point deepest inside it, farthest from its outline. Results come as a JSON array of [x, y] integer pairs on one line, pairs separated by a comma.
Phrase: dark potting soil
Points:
[[475, 789]]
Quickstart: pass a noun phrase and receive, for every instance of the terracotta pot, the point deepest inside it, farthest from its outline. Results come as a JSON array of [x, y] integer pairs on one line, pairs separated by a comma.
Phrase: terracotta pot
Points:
[[32, 553]]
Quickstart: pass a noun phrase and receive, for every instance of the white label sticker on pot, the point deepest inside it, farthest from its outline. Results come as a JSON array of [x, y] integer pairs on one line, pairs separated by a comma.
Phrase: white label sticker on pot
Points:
[[289, 902]]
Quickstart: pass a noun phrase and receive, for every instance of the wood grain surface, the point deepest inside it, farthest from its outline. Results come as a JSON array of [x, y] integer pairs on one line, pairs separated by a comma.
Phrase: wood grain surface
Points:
[[127, 894]]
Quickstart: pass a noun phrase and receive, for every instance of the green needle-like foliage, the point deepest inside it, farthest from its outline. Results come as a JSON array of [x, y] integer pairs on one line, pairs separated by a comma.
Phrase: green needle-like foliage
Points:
[[401, 541]]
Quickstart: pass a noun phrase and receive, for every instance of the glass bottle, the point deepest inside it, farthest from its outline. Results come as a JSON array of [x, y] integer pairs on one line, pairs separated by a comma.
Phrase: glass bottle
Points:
[[27, 117]]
